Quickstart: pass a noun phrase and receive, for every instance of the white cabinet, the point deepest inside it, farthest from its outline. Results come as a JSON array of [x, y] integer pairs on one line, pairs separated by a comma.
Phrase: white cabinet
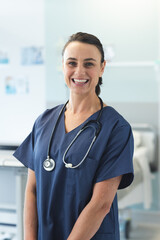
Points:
[[12, 187]]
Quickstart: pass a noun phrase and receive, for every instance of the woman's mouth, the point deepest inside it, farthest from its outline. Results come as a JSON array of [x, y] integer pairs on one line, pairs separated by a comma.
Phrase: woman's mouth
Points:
[[80, 81]]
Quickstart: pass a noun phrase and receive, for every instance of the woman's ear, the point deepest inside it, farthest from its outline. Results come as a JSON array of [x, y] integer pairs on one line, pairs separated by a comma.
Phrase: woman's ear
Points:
[[103, 67]]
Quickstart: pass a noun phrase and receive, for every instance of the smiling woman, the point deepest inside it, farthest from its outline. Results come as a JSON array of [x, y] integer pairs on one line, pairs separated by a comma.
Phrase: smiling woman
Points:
[[81, 65], [90, 46], [89, 148], [82, 68]]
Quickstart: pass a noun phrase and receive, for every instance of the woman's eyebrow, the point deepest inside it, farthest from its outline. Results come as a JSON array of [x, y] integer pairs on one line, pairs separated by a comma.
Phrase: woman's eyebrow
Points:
[[86, 59], [89, 59], [70, 58]]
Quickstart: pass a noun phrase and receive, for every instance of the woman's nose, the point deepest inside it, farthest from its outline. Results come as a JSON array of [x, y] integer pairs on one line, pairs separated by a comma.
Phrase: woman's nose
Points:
[[80, 70]]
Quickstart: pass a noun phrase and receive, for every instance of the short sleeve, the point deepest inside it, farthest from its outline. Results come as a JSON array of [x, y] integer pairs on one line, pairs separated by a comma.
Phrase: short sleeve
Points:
[[25, 152], [118, 157]]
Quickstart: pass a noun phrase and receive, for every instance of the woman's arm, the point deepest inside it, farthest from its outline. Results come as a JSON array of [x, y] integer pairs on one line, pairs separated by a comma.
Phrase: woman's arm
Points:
[[93, 214], [30, 208]]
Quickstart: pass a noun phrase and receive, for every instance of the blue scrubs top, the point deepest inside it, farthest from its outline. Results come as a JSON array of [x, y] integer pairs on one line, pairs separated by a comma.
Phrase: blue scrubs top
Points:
[[63, 193]]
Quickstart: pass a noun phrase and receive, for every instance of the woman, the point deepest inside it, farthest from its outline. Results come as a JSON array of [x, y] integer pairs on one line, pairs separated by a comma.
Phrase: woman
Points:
[[73, 195]]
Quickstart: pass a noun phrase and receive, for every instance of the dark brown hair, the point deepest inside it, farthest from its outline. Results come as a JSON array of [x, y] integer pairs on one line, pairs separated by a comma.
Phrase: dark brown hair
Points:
[[90, 39]]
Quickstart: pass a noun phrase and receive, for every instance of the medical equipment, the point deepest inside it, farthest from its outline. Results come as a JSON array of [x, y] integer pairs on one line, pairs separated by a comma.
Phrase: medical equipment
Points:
[[49, 163], [141, 189], [144, 154]]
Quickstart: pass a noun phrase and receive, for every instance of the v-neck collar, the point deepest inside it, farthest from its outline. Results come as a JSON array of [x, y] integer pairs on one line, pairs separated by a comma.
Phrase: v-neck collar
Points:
[[76, 128]]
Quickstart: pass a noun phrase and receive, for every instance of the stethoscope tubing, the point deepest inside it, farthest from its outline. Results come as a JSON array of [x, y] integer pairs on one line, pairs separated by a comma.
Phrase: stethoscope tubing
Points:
[[53, 131], [48, 161], [69, 164]]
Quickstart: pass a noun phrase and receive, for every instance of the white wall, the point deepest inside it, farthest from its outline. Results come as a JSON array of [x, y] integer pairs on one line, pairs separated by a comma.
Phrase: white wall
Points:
[[131, 26], [21, 25]]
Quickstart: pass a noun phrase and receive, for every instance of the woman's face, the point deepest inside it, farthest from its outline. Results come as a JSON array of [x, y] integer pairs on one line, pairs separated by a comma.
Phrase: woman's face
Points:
[[82, 67]]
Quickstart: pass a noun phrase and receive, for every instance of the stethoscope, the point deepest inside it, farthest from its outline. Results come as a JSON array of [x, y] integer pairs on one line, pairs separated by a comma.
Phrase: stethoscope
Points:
[[49, 163]]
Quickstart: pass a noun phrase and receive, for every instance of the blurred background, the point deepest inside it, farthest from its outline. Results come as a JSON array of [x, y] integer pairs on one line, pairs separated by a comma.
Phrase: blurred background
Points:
[[32, 35]]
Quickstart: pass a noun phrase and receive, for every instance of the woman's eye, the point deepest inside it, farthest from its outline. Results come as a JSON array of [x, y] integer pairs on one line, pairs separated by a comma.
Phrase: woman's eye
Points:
[[88, 64], [72, 64]]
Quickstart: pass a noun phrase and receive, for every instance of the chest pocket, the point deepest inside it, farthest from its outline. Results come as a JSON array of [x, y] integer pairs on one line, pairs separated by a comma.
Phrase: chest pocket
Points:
[[80, 180]]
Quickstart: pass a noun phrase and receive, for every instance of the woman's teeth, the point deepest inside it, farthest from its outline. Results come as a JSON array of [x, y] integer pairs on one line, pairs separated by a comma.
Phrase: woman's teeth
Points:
[[80, 80]]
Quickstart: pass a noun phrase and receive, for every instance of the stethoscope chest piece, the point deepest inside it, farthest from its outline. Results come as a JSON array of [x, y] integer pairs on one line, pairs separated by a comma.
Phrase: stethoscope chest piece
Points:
[[49, 164]]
